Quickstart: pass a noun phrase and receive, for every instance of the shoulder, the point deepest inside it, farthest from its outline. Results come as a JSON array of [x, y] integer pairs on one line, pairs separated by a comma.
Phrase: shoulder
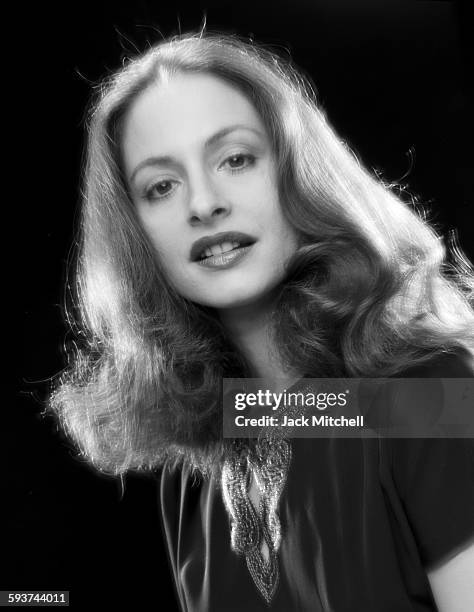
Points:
[[434, 477], [456, 362], [419, 396]]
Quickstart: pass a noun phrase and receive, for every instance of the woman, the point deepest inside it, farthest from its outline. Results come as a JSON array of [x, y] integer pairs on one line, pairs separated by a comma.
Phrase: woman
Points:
[[228, 232]]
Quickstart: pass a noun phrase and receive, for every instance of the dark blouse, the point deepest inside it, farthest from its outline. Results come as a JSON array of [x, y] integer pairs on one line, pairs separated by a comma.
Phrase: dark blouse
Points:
[[362, 519]]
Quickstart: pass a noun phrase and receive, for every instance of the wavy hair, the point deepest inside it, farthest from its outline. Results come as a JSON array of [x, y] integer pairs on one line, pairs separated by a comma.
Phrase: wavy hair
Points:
[[370, 291]]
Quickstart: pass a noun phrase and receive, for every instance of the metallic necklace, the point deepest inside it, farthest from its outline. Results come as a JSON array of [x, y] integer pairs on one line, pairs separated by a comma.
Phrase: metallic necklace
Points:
[[252, 529]]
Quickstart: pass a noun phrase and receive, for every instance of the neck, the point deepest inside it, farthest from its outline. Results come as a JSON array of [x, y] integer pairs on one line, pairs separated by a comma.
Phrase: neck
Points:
[[250, 329]]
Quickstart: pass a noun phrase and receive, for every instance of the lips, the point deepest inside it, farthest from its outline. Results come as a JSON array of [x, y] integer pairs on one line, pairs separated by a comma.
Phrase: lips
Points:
[[206, 242]]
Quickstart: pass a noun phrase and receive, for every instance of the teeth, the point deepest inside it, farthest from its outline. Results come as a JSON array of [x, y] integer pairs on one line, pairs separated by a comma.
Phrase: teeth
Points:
[[217, 249]]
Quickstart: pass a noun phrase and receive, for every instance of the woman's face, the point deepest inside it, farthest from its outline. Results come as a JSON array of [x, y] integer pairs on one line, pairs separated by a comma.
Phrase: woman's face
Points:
[[202, 175]]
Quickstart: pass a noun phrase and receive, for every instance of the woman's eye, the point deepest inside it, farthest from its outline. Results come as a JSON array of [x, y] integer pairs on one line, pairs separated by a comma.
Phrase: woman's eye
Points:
[[159, 190], [239, 161]]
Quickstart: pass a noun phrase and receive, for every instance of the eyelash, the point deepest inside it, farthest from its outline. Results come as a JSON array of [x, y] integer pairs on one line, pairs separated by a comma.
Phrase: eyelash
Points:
[[250, 161]]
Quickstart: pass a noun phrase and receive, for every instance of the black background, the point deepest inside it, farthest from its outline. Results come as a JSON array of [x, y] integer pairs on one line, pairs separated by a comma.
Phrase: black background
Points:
[[393, 78]]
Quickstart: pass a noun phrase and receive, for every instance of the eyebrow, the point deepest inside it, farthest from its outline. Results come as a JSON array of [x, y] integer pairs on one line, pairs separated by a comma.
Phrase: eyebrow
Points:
[[167, 160]]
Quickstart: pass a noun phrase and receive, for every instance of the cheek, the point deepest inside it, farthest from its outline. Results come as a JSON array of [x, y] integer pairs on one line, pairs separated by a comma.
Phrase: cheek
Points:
[[161, 237], [281, 228], [170, 255], [287, 242], [166, 252], [164, 239]]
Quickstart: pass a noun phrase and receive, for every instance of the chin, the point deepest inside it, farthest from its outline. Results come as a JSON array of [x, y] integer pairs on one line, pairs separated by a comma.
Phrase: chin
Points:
[[232, 297], [226, 302], [229, 304]]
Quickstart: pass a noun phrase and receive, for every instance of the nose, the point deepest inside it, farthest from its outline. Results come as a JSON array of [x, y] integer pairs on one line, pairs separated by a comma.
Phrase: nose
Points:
[[206, 202]]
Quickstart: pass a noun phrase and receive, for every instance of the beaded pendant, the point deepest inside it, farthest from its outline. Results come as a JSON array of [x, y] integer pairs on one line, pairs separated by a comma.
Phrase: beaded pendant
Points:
[[256, 529]]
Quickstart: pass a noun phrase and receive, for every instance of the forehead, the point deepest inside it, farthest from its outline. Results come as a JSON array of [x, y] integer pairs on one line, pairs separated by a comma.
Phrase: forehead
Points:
[[183, 111]]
